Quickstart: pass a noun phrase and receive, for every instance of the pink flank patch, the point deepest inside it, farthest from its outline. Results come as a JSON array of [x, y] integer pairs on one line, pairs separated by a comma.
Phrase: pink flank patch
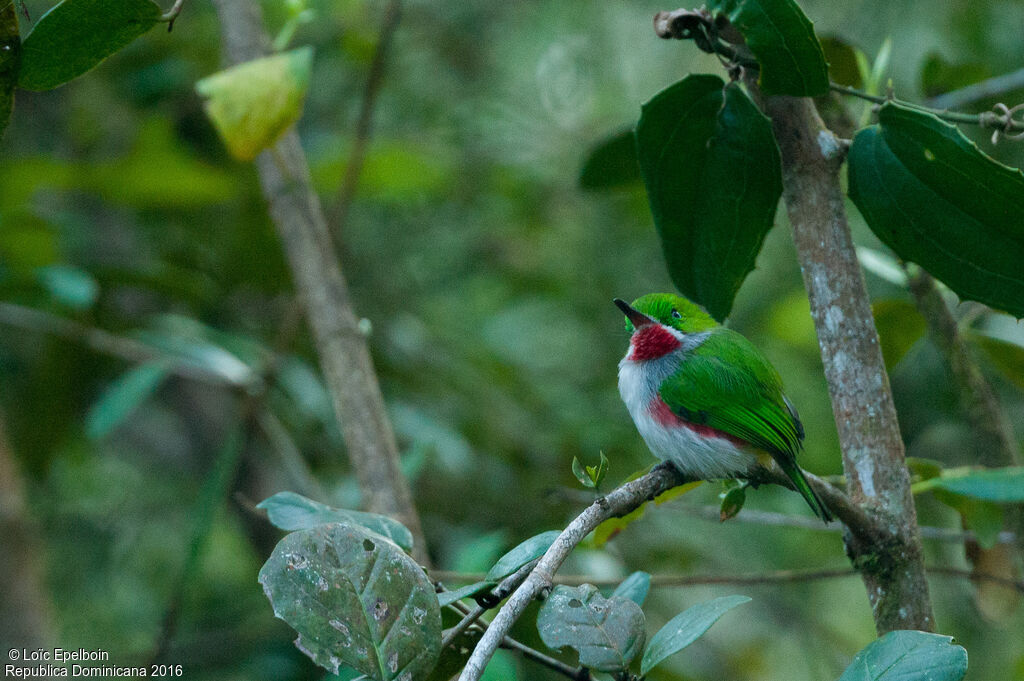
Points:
[[651, 342], [664, 416]]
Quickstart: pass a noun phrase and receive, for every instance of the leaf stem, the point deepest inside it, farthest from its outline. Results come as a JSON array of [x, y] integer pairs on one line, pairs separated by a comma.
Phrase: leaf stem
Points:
[[170, 15], [1000, 119]]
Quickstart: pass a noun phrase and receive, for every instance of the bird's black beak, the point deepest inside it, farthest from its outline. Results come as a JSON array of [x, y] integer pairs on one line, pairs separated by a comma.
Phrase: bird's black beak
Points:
[[635, 316]]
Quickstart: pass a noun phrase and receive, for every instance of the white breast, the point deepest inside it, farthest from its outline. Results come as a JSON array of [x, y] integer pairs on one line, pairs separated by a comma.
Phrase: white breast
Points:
[[693, 454]]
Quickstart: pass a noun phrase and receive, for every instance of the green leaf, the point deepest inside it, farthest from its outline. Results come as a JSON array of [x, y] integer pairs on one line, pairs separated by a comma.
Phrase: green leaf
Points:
[[290, 511], [685, 628], [842, 61], [732, 503], [908, 656], [939, 75], [448, 597], [607, 633], [782, 38], [10, 61], [254, 103], [612, 163], [355, 600], [76, 35], [900, 325], [1007, 357], [69, 285], [581, 473], [634, 587], [534, 547], [711, 168], [985, 518], [123, 396], [1001, 485], [930, 195]]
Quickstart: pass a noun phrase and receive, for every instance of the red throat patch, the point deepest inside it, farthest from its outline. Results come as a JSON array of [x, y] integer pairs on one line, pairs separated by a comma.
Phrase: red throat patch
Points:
[[651, 342]]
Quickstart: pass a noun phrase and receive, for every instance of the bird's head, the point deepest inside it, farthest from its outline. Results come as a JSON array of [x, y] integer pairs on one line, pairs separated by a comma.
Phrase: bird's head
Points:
[[659, 321]]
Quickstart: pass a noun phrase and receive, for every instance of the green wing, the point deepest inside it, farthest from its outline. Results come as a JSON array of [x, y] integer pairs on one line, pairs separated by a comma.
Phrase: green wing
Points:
[[727, 384]]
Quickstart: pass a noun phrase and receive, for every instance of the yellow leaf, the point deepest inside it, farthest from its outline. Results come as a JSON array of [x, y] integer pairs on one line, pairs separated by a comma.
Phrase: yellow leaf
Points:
[[252, 104]]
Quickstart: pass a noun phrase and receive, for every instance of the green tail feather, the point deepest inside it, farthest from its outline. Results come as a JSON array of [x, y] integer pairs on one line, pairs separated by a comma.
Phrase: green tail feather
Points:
[[802, 486]]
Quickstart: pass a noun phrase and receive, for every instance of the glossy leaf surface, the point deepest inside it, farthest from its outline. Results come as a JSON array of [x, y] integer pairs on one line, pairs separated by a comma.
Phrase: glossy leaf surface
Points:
[[711, 168], [685, 628], [782, 38], [906, 655], [933, 197], [77, 35]]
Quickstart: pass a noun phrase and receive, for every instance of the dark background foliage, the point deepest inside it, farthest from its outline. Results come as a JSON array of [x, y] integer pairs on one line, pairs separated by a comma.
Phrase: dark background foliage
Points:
[[486, 274]]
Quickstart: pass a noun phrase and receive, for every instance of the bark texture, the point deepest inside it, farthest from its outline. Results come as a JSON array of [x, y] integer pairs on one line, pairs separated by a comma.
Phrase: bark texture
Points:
[[26, 617], [873, 455], [342, 347]]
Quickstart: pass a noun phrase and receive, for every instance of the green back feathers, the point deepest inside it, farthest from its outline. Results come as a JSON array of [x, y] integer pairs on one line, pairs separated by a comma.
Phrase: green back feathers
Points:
[[727, 384], [675, 311]]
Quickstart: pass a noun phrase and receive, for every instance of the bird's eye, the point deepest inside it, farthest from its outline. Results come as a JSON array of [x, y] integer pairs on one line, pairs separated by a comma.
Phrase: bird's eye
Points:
[[676, 315]]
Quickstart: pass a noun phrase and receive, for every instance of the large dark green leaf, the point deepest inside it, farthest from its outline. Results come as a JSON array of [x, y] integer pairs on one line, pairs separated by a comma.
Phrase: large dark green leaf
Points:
[[607, 633], [906, 655], [10, 58], [931, 195], [77, 35], [782, 38], [685, 628], [611, 163], [355, 600], [711, 167], [534, 547], [291, 511]]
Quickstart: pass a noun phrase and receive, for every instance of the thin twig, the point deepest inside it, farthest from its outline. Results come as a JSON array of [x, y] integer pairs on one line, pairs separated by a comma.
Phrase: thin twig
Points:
[[497, 594], [986, 89], [361, 142], [774, 519], [1001, 120], [122, 347], [748, 579], [170, 15], [575, 673]]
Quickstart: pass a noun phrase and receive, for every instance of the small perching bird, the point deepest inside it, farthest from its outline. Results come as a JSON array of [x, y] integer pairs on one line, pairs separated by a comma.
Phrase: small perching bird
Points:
[[704, 398]]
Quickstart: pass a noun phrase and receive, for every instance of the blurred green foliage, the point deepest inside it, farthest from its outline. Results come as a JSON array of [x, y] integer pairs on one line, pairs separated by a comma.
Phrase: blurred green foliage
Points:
[[487, 274]]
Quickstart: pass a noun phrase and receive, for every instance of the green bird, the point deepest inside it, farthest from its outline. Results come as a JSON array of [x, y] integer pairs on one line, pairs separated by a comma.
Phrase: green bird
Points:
[[704, 398]]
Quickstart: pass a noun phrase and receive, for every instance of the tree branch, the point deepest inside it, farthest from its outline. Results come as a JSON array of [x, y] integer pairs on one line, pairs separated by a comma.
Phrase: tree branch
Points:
[[873, 458], [361, 140], [891, 563], [616, 504], [341, 346]]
